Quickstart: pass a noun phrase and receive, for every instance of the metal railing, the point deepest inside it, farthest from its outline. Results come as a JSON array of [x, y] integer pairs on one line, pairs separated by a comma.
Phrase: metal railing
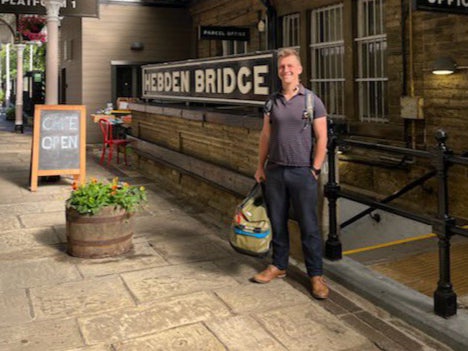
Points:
[[443, 225]]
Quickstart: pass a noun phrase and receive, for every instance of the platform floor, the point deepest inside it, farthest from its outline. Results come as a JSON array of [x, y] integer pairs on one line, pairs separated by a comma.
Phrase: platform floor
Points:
[[416, 264]]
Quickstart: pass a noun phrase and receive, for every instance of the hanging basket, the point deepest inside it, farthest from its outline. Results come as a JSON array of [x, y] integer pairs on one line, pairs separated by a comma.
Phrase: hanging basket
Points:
[[30, 28]]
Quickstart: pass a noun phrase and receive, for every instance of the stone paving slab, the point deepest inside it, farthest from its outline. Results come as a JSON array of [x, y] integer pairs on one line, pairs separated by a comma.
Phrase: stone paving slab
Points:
[[190, 249], [256, 297], [78, 298], [34, 252], [35, 207], [142, 256], [161, 227], [9, 223], [14, 307], [94, 348], [48, 220], [162, 315], [160, 282], [23, 239], [309, 327], [192, 337], [244, 333], [25, 274], [159, 205], [240, 267], [41, 336]]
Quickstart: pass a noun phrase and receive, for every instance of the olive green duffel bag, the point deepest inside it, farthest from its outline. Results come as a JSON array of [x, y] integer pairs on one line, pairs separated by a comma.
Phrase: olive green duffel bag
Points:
[[251, 230]]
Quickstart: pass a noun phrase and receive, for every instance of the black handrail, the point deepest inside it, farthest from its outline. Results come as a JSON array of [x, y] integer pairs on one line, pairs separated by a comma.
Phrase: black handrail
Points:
[[443, 225], [402, 191]]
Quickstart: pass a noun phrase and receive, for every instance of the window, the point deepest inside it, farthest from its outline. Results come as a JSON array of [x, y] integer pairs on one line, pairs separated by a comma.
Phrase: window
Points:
[[68, 50], [234, 47], [327, 58], [290, 30], [372, 71]]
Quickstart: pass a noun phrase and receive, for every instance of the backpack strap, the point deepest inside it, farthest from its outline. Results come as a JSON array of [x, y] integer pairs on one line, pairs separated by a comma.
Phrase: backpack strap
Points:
[[309, 106], [309, 110], [268, 106]]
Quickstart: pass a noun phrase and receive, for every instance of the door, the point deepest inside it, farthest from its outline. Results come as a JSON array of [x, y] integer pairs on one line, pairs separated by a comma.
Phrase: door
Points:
[[126, 81]]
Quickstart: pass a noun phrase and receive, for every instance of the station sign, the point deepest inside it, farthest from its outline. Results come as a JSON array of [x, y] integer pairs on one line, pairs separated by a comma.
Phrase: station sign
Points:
[[448, 6], [239, 79], [224, 33], [73, 8]]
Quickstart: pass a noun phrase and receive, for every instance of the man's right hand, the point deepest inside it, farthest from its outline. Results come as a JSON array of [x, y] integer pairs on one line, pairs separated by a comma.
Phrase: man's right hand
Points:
[[260, 175]]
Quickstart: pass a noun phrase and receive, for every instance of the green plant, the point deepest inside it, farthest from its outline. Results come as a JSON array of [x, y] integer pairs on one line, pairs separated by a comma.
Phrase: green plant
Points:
[[10, 113], [90, 197]]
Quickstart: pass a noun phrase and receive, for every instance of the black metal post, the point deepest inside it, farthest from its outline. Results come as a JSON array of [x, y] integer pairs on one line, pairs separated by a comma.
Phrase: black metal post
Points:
[[333, 250], [445, 299]]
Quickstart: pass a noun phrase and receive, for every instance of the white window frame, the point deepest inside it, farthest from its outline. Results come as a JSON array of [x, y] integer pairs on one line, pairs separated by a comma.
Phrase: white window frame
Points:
[[291, 27], [234, 47], [327, 58], [67, 50], [371, 46]]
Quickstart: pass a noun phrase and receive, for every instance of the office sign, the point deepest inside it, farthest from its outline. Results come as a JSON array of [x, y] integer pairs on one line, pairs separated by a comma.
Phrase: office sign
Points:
[[242, 79], [77, 8], [59, 142], [224, 33], [450, 6]]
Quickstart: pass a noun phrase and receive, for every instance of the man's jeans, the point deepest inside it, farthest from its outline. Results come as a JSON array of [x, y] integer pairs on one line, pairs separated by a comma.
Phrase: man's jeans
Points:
[[296, 186]]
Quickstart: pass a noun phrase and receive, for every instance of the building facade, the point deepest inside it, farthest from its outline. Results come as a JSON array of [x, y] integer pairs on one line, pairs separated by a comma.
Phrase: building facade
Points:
[[369, 60], [101, 57]]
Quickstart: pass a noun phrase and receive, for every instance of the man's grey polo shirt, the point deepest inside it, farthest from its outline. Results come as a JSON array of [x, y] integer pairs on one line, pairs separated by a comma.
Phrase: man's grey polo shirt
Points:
[[291, 136]]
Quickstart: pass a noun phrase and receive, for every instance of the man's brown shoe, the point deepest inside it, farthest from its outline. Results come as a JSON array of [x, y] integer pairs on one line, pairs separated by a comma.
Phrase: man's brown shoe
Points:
[[319, 288], [270, 273]]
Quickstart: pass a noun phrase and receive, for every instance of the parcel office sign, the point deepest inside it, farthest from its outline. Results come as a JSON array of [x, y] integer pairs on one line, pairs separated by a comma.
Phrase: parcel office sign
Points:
[[450, 6], [246, 79]]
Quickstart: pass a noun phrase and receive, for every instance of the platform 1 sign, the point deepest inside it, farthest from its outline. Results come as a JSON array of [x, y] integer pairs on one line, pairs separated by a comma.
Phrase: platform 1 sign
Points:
[[239, 79], [73, 8], [59, 142]]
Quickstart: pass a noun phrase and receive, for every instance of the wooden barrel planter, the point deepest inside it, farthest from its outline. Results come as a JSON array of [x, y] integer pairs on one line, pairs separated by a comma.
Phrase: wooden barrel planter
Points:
[[105, 234]]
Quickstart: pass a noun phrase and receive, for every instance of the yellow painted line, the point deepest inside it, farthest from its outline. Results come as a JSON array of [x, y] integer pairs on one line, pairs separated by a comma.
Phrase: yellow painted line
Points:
[[391, 243]]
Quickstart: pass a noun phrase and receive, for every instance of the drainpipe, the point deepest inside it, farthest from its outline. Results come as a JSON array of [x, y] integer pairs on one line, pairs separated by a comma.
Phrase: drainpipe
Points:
[[272, 17]]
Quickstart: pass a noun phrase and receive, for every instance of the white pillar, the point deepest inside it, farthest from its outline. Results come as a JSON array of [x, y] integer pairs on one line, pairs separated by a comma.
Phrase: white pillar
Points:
[[19, 88], [31, 61], [52, 7], [1, 68], [7, 77]]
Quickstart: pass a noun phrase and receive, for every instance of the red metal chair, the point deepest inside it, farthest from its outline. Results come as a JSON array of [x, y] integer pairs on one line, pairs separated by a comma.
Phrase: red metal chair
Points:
[[110, 142]]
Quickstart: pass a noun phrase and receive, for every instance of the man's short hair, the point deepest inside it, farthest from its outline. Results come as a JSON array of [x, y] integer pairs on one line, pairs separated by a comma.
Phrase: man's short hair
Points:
[[285, 52]]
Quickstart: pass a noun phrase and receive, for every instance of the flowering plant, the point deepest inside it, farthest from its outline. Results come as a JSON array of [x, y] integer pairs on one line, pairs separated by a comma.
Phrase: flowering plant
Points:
[[30, 27], [90, 197]]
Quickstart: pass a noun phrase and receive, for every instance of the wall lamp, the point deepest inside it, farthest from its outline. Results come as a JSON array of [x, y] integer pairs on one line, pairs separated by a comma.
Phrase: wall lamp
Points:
[[137, 46], [445, 65]]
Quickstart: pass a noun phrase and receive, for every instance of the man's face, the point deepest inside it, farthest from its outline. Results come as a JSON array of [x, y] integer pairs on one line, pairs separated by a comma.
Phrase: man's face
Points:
[[289, 69]]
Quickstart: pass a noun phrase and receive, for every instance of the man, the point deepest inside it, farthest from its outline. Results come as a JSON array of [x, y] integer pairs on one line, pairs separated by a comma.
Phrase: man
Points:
[[292, 171]]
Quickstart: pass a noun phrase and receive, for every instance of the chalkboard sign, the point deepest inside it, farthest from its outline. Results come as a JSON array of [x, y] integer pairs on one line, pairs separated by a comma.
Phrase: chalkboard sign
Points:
[[59, 142]]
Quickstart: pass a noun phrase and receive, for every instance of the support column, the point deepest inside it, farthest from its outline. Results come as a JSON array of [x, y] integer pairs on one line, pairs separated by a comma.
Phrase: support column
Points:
[[19, 88], [53, 8], [31, 58], [7, 76]]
